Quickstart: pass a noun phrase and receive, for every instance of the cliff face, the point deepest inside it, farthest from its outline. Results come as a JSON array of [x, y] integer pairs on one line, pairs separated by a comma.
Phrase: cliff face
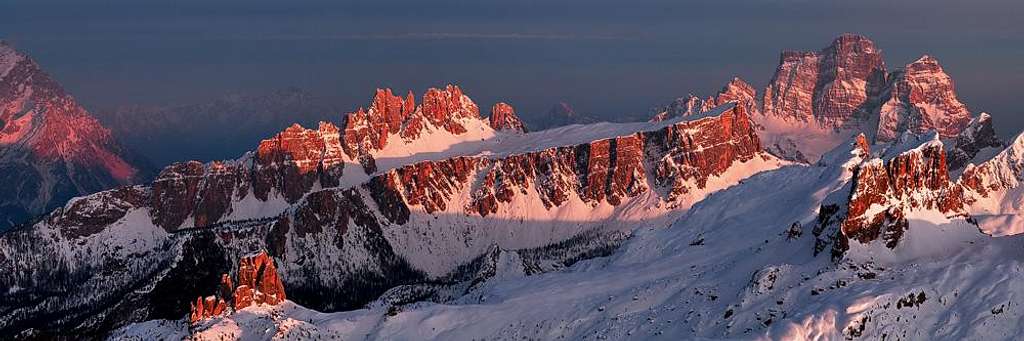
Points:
[[503, 118], [833, 87], [920, 98], [883, 192], [51, 149], [680, 158], [286, 166]]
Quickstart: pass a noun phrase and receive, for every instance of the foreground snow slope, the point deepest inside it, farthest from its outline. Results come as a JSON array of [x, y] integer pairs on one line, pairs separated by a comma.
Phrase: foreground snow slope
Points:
[[733, 267]]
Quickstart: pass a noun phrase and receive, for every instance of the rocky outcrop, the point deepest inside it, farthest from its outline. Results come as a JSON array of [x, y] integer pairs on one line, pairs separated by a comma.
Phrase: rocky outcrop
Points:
[[504, 118], [883, 192], [1002, 172], [290, 164], [696, 150], [192, 189], [86, 216], [737, 91], [445, 108], [297, 158], [367, 130], [389, 115], [51, 149], [392, 119], [258, 283], [833, 87], [920, 98]]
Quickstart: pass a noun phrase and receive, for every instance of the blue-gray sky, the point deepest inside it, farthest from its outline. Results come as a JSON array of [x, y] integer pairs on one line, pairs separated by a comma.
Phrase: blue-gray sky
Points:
[[605, 57]]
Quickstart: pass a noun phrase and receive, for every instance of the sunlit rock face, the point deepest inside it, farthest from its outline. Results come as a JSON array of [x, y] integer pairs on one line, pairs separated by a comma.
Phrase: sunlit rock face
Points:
[[51, 149], [369, 129], [920, 98], [257, 283], [297, 158], [290, 164], [883, 193], [834, 86], [504, 118]]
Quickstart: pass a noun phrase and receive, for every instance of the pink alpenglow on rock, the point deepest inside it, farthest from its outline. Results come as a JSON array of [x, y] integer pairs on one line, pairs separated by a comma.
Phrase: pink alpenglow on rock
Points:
[[258, 283]]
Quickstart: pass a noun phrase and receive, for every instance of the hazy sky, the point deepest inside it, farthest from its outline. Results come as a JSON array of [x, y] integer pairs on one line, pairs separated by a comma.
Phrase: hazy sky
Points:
[[595, 54]]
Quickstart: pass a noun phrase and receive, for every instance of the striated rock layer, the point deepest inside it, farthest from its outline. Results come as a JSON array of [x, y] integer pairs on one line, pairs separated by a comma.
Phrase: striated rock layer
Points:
[[920, 98], [833, 87]]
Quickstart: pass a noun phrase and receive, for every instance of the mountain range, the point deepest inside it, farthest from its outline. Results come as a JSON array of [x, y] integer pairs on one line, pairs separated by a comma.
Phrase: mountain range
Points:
[[844, 201], [214, 130]]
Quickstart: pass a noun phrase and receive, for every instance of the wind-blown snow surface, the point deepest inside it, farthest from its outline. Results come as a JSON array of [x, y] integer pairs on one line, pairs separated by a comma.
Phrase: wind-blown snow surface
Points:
[[727, 269]]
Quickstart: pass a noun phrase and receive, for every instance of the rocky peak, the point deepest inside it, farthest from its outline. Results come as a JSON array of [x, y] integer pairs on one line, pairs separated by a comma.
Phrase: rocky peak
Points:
[[257, 283], [920, 97], [863, 147], [442, 105], [736, 90], [371, 129], [682, 106], [393, 109], [834, 86], [503, 117], [51, 149]]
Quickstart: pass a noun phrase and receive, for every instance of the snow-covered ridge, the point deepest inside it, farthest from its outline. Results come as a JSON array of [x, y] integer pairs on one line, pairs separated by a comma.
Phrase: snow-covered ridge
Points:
[[404, 225], [740, 264]]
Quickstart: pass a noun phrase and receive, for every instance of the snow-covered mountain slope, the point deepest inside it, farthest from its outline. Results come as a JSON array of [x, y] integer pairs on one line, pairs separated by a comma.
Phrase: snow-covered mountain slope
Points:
[[997, 192], [748, 262], [341, 240], [51, 149]]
